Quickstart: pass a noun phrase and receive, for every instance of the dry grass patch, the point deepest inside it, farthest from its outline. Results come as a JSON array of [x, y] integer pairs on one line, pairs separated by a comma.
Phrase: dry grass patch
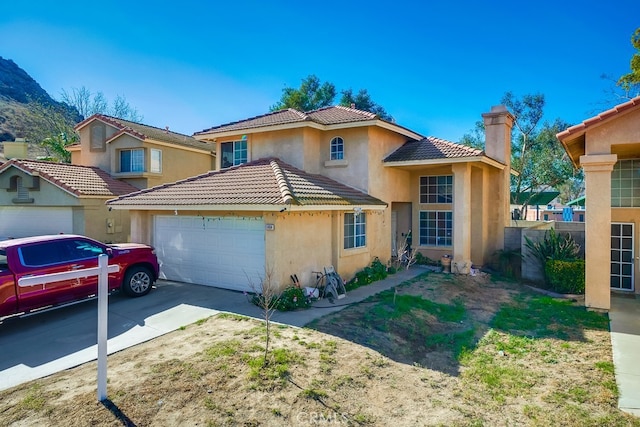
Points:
[[439, 350]]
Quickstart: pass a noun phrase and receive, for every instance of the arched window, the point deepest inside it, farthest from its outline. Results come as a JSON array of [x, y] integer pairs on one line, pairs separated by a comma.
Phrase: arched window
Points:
[[337, 148]]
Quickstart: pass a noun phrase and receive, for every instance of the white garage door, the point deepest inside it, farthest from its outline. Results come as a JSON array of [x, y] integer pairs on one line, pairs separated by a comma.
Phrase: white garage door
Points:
[[226, 252], [23, 221]]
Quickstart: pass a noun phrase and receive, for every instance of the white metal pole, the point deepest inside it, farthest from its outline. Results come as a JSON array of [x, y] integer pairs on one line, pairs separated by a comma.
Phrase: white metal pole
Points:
[[103, 295]]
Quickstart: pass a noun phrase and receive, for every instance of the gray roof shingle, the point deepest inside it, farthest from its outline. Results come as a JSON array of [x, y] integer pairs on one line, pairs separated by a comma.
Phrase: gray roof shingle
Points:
[[268, 181]]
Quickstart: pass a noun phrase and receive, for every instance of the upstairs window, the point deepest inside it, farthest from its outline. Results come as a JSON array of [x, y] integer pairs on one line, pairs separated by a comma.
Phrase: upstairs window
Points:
[[98, 137], [155, 164], [337, 148], [355, 230], [132, 160], [436, 189], [233, 153]]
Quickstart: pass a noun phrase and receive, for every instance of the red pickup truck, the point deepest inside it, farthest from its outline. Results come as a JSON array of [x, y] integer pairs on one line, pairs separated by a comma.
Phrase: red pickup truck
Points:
[[34, 256]]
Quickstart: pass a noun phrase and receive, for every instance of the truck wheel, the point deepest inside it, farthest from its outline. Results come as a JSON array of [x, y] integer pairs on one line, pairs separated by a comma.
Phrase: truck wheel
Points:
[[137, 282]]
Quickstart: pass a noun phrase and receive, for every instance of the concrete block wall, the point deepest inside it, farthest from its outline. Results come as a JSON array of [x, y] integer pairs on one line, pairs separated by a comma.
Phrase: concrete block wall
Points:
[[532, 270]]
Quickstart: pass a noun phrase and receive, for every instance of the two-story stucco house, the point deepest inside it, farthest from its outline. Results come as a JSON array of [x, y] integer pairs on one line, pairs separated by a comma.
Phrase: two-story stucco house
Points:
[[296, 191], [607, 148], [114, 157]]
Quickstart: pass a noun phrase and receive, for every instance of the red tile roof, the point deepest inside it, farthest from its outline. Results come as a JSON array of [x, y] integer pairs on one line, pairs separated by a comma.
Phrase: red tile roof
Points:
[[581, 128], [78, 180], [144, 132], [431, 148], [266, 181], [324, 116]]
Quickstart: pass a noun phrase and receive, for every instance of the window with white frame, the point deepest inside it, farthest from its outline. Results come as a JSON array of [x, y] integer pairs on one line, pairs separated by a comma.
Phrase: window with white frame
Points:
[[155, 157], [234, 153], [436, 228], [132, 160], [337, 148], [355, 230], [436, 189], [625, 184]]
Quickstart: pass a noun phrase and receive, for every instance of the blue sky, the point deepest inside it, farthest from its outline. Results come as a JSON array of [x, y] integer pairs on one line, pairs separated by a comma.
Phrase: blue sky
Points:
[[435, 66]]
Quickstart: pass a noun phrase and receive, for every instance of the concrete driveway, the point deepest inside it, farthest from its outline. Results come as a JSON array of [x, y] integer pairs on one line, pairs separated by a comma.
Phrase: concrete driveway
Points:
[[45, 343], [42, 344]]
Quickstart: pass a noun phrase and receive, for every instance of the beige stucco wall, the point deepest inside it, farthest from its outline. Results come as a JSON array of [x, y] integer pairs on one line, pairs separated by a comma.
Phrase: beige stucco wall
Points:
[[178, 162], [624, 130], [101, 224], [299, 244], [287, 145]]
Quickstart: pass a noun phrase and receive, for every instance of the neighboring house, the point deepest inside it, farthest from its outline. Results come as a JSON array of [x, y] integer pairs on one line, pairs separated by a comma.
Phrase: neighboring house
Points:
[[43, 197], [144, 156], [296, 191], [20, 148], [113, 157], [607, 147], [543, 206]]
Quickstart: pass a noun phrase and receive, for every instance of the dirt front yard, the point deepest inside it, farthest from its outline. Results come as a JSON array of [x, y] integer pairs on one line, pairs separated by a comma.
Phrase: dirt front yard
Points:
[[437, 350]]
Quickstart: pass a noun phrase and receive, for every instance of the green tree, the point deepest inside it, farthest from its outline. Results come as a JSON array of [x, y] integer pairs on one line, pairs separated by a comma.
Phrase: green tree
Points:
[[536, 154], [630, 82], [311, 95], [545, 164], [53, 128], [475, 138], [88, 104], [362, 101], [623, 88]]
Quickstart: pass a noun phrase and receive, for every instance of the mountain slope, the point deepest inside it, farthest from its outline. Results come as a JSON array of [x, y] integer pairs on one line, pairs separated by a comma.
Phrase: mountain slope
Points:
[[17, 89]]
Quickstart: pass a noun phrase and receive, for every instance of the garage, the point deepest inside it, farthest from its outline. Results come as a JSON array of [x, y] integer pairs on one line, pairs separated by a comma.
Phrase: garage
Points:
[[23, 221], [222, 251]]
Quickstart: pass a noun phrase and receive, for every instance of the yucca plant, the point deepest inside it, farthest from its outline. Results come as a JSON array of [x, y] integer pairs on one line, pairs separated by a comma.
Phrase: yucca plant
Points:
[[553, 247]]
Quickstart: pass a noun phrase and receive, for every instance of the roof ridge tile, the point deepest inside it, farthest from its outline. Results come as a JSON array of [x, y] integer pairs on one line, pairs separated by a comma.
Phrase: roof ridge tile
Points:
[[283, 184]]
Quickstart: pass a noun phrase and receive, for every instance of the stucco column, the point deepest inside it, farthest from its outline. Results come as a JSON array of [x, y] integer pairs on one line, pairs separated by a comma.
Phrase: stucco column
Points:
[[139, 230], [461, 218], [597, 173]]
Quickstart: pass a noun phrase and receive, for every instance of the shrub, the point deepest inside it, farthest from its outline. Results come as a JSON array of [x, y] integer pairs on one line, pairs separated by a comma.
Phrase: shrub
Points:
[[553, 247], [376, 271], [291, 299], [424, 260], [508, 262], [566, 277]]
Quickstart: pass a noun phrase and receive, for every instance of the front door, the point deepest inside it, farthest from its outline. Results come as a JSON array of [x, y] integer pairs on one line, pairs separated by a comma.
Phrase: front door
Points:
[[622, 256]]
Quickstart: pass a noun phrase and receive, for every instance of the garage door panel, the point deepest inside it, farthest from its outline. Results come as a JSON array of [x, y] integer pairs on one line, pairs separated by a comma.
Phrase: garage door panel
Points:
[[23, 221], [226, 252]]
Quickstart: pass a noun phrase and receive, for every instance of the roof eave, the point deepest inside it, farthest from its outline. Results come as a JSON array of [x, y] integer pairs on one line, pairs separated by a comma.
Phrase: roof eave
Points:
[[210, 135], [251, 208], [474, 159], [182, 146]]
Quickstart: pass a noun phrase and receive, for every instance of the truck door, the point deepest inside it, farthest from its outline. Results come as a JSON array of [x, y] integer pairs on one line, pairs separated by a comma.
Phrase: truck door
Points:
[[46, 258]]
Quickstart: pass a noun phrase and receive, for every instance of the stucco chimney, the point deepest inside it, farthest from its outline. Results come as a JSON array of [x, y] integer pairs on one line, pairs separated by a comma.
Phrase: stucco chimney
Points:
[[497, 130], [16, 149]]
